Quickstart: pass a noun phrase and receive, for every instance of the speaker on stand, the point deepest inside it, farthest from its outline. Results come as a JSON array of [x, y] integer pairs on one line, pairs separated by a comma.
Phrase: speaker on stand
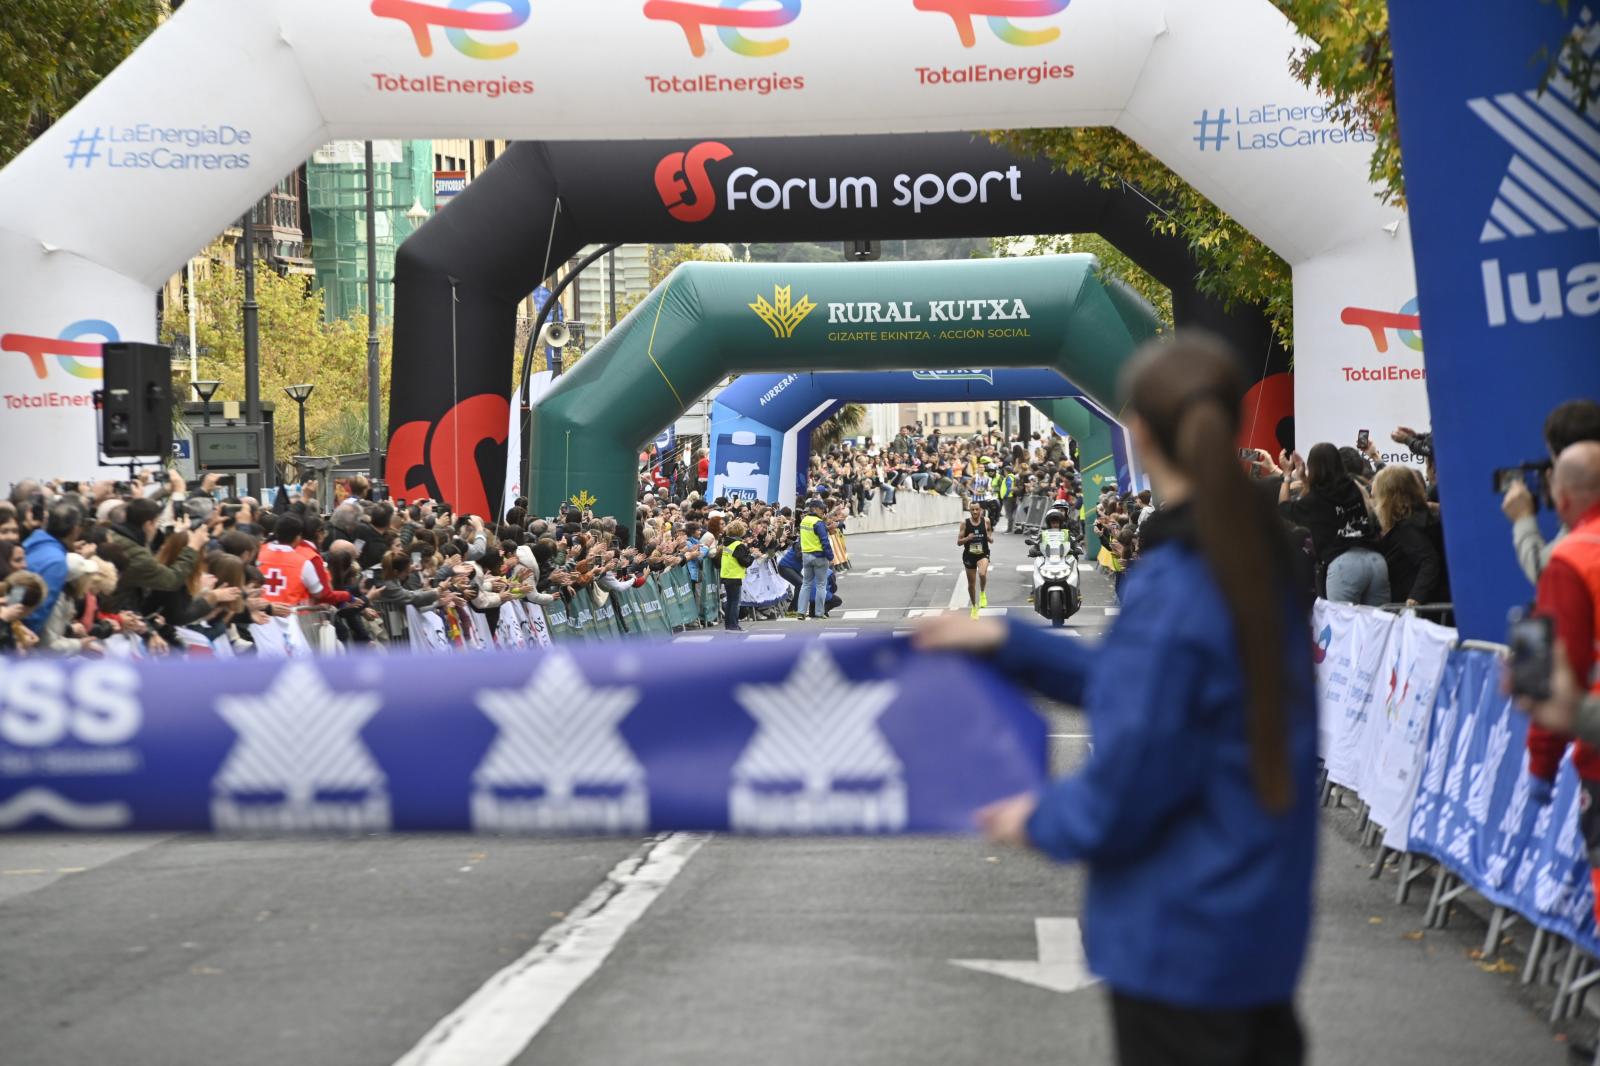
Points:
[[136, 404]]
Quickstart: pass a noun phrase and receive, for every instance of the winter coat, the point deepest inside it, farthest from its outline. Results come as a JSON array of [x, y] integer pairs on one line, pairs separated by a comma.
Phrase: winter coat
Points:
[[1198, 896], [141, 574]]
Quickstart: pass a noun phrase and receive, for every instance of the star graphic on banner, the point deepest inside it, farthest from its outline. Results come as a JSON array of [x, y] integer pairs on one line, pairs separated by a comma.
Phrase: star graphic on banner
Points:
[[558, 731], [818, 726], [299, 737]]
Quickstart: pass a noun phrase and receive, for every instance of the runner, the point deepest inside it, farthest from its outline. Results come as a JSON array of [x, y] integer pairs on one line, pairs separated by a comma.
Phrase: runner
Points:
[[974, 541]]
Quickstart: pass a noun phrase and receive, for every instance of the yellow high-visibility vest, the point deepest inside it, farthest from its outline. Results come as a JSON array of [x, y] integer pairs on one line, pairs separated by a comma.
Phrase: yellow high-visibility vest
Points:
[[730, 566], [809, 540]]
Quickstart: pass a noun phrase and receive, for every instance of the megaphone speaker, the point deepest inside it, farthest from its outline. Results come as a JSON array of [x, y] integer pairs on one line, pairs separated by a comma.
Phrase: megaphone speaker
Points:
[[555, 335]]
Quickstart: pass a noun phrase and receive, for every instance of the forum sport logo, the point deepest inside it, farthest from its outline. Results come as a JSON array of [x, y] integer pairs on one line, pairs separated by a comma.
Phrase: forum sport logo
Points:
[[685, 186], [999, 14], [1406, 324], [729, 18], [69, 351], [460, 20]]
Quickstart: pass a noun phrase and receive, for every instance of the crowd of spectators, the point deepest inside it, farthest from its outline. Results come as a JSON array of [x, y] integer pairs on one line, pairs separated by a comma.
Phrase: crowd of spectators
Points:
[[156, 565]]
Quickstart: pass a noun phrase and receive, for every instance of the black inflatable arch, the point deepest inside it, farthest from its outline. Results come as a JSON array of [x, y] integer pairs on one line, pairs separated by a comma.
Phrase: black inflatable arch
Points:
[[459, 279]]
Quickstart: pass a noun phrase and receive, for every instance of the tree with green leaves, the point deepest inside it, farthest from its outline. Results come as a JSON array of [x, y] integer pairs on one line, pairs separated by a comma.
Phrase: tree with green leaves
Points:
[[52, 52], [844, 423], [297, 346], [1235, 267], [1114, 264]]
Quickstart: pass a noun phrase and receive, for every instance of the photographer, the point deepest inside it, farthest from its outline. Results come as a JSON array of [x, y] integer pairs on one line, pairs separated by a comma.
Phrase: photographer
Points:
[[1569, 423], [141, 574]]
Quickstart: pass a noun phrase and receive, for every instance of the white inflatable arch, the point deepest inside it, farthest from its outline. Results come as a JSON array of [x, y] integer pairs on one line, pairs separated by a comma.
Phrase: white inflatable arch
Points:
[[230, 95]]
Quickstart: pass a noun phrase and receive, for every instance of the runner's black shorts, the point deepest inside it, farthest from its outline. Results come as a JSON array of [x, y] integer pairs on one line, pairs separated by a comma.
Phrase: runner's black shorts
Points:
[[970, 561]]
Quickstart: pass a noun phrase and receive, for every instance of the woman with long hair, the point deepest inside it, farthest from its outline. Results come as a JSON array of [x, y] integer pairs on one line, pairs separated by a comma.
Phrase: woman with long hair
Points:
[[1196, 811], [1320, 495], [1416, 570]]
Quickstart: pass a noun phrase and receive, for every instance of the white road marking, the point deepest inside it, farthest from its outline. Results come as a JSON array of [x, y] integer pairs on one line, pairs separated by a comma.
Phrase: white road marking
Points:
[[877, 571], [992, 612], [693, 638], [859, 616], [931, 569], [501, 1019], [1024, 568], [766, 636], [924, 612], [1112, 610], [839, 634], [1062, 966], [1070, 736]]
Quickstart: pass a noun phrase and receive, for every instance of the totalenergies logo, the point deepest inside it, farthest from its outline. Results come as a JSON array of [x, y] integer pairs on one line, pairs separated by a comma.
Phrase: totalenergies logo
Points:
[[459, 19], [999, 13], [728, 17], [1406, 323], [685, 187], [68, 350]]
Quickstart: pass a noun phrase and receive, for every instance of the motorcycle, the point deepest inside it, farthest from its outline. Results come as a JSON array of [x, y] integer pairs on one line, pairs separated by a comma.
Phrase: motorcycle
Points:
[[1055, 582]]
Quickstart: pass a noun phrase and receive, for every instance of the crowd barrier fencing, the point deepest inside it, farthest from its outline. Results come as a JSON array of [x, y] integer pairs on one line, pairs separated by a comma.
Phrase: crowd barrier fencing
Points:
[[1413, 722]]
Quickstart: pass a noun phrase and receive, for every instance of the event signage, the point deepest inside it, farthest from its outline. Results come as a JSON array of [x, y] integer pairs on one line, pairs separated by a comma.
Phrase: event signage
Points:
[[1271, 127], [1504, 194], [143, 146], [866, 738]]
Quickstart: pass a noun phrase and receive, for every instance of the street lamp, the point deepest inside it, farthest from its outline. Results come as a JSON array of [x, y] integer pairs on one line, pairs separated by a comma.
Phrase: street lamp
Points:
[[417, 215], [300, 394], [205, 390]]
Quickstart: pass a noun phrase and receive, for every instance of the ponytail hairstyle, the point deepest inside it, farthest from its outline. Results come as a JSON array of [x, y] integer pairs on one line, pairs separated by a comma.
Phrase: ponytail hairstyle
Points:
[[1188, 390]]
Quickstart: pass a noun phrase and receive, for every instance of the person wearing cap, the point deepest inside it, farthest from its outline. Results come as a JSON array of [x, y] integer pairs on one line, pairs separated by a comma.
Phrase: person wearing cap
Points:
[[816, 556]]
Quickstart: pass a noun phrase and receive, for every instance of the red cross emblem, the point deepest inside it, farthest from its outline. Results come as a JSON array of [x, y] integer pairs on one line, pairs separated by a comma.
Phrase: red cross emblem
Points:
[[273, 581]]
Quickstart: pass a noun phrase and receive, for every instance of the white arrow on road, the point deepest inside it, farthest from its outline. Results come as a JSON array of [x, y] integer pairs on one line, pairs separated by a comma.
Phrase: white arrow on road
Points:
[[1061, 966]]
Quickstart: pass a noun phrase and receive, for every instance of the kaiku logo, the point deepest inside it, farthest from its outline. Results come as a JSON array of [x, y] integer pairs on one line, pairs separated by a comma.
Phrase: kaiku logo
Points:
[[1324, 640], [685, 187], [728, 18], [1406, 323], [68, 350], [999, 13], [459, 19]]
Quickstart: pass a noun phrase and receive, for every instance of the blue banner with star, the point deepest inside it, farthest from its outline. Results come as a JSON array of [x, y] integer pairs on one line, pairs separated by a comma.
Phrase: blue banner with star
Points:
[[867, 736]]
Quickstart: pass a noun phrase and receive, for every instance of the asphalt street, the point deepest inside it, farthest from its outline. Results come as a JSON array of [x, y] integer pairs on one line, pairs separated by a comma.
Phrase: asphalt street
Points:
[[171, 951]]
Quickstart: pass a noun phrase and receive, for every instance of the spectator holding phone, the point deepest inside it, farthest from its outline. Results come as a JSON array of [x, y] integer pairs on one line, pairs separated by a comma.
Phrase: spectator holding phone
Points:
[[1320, 495], [141, 574], [1416, 569]]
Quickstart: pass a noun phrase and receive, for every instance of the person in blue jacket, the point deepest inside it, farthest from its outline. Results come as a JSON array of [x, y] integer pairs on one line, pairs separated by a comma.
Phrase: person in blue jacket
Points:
[[1196, 812], [47, 550]]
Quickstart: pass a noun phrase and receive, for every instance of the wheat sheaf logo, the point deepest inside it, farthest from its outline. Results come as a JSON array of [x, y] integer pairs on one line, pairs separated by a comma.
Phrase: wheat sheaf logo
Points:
[[782, 315], [583, 500]]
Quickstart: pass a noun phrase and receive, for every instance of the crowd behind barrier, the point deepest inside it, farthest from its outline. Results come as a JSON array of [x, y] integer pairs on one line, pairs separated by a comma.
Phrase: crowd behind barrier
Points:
[[1415, 724]]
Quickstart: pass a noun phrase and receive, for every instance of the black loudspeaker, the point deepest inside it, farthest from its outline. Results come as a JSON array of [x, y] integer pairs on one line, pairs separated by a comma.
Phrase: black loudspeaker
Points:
[[136, 416]]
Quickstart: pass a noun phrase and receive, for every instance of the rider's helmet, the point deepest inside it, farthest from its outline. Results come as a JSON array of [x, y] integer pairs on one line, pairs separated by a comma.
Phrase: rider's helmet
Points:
[[1056, 517]]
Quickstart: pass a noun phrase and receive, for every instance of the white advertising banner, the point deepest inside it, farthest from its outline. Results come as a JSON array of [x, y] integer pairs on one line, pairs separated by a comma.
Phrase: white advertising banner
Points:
[[1369, 652], [538, 625], [1390, 784], [1358, 346], [113, 198]]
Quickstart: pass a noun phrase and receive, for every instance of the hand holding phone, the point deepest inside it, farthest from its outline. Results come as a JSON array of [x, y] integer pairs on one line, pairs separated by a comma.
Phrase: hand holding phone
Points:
[[1531, 639]]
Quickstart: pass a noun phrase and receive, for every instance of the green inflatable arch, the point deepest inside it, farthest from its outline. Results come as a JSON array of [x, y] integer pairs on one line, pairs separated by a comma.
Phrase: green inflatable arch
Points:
[[711, 319]]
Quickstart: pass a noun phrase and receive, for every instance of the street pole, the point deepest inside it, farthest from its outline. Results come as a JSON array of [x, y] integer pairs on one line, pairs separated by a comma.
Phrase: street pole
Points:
[[194, 350], [252, 339], [373, 408], [611, 273], [302, 406]]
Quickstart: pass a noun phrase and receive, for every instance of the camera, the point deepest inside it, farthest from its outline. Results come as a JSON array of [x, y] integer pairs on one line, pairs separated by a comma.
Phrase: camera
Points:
[[1535, 474]]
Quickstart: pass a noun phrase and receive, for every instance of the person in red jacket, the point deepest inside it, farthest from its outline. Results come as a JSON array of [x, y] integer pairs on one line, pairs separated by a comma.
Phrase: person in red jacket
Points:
[[1569, 594]]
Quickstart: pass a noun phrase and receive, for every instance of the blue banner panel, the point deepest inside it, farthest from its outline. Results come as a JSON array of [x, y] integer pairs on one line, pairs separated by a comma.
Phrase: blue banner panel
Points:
[[1503, 186], [871, 737]]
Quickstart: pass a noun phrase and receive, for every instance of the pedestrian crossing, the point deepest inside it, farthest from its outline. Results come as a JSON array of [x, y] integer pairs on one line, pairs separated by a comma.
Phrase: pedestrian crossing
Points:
[[803, 633], [896, 571]]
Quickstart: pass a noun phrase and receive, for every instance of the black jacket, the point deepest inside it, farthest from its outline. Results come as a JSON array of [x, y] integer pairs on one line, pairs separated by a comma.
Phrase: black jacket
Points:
[[1416, 570], [1337, 517]]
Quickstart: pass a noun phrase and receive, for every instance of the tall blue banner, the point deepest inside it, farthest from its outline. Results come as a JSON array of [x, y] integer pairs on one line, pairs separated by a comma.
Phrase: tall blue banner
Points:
[[868, 737], [1503, 186]]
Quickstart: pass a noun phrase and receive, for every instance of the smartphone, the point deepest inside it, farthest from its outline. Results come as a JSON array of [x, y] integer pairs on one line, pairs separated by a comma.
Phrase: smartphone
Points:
[[1532, 642], [16, 595], [1363, 438], [1247, 454]]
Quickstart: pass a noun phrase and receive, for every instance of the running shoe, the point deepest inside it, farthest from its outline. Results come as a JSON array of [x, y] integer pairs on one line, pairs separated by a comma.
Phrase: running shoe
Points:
[[974, 610], [983, 598]]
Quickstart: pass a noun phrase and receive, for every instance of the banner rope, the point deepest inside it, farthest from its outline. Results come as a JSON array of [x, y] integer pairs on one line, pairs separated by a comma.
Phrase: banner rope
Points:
[[650, 349]]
